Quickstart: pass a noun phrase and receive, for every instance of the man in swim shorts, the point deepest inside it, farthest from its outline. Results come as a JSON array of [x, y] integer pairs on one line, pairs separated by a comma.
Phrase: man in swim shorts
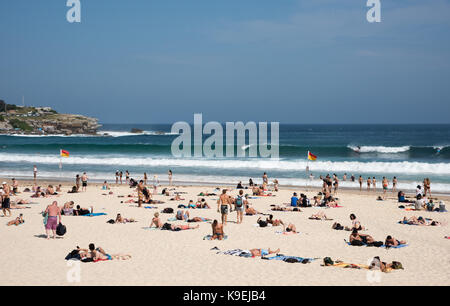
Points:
[[222, 206], [6, 199], [53, 212], [84, 179]]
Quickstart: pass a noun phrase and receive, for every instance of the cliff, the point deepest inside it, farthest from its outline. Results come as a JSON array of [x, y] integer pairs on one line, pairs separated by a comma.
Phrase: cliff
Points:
[[43, 120]]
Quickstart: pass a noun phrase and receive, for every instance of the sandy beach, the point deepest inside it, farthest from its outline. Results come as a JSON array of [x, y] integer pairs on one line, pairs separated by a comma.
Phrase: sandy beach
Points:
[[184, 258]]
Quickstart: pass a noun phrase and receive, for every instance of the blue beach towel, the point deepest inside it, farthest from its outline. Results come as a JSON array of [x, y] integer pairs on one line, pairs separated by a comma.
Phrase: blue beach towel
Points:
[[208, 237], [284, 258], [95, 214]]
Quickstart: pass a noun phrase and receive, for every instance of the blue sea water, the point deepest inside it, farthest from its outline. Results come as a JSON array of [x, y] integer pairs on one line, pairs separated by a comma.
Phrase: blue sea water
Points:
[[409, 152]]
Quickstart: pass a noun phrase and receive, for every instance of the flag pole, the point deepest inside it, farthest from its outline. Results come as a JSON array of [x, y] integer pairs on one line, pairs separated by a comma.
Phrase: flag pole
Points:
[[307, 172]]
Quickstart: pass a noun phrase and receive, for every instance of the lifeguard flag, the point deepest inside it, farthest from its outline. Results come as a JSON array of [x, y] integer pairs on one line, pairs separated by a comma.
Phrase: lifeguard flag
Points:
[[64, 153], [311, 156]]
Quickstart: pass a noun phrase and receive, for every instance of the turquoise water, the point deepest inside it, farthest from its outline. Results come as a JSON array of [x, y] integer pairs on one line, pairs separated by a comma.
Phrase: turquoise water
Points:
[[410, 152]]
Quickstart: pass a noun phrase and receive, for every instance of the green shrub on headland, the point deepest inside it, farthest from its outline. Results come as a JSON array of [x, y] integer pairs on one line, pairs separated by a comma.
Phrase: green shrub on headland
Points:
[[19, 124]]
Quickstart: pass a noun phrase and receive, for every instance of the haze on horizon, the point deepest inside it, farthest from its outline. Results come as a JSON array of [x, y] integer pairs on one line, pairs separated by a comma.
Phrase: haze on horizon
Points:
[[292, 61]]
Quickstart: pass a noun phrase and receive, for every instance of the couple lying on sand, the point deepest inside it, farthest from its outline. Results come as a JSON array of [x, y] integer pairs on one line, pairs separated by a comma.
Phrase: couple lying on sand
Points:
[[276, 222], [419, 221], [358, 239], [94, 254], [156, 221]]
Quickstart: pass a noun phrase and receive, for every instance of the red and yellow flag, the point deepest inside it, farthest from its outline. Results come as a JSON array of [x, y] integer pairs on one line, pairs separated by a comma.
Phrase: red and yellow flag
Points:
[[311, 156], [64, 153]]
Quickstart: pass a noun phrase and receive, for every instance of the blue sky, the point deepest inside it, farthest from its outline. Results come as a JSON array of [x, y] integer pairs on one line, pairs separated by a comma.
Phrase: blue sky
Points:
[[292, 61]]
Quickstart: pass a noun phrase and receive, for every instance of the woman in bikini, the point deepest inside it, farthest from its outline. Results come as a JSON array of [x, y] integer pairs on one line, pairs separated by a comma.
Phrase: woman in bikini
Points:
[[120, 219], [391, 241], [217, 229], [16, 221], [274, 222], [156, 221]]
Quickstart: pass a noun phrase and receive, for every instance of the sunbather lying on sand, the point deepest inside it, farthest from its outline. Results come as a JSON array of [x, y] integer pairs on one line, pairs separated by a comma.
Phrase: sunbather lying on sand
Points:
[[391, 241], [263, 252], [16, 221], [198, 219], [290, 228], [362, 239], [384, 267], [274, 222], [100, 254], [182, 215], [250, 211], [279, 208], [319, 216], [419, 221], [120, 219], [177, 198], [175, 228]]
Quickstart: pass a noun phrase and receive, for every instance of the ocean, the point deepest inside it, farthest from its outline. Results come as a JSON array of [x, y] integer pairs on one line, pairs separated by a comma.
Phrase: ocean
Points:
[[409, 152]]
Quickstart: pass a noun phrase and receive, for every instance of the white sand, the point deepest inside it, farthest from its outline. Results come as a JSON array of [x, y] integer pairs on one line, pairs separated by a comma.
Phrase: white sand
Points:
[[183, 258]]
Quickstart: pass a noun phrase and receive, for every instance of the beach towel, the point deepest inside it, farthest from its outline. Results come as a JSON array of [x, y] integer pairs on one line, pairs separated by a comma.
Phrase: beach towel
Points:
[[350, 265], [95, 214], [257, 225], [172, 219], [208, 237], [236, 252], [150, 228], [291, 259], [384, 246], [150, 207]]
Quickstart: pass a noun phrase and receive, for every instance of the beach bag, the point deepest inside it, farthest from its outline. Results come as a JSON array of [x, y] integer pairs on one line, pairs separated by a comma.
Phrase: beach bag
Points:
[[61, 229], [167, 210], [111, 221], [327, 261], [239, 201], [166, 226], [45, 215], [357, 243], [75, 254], [291, 260]]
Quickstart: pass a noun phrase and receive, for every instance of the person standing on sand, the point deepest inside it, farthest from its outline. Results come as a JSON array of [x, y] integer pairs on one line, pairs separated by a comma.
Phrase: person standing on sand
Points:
[[369, 182], [84, 179], [120, 176], [54, 213], [360, 180], [222, 206], [170, 177], [140, 191], [6, 201], [394, 184], [127, 176], [265, 178], [239, 203], [145, 178], [117, 177], [374, 184], [385, 184], [34, 172]]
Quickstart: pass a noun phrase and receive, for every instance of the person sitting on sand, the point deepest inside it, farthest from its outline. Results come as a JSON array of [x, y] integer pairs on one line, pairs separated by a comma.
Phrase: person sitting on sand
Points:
[[217, 230], [50, 190], [83, 211], [202, 204], [263, 252], [58, 188], [390, 241], [156, 221], [181, 215], [176, 228], [105, 186], [16, 221], [359, 239], [120, 219], [250, 211], [74, 190], [67, 209], [355, 224], [99, 254], [319, 216]]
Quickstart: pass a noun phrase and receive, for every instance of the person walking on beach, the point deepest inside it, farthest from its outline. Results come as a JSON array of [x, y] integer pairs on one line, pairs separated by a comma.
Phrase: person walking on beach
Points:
[[145, 178], [394, 184], [360, 180], [84, 180], [35, 173], [6, 201], [127, 176], [117, 177], [385, 184], [222, 206], [239, 203], [170, 177], [53, 215]]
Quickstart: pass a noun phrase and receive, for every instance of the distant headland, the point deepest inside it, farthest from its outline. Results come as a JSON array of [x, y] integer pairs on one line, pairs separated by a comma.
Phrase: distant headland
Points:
[[30, 120]]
